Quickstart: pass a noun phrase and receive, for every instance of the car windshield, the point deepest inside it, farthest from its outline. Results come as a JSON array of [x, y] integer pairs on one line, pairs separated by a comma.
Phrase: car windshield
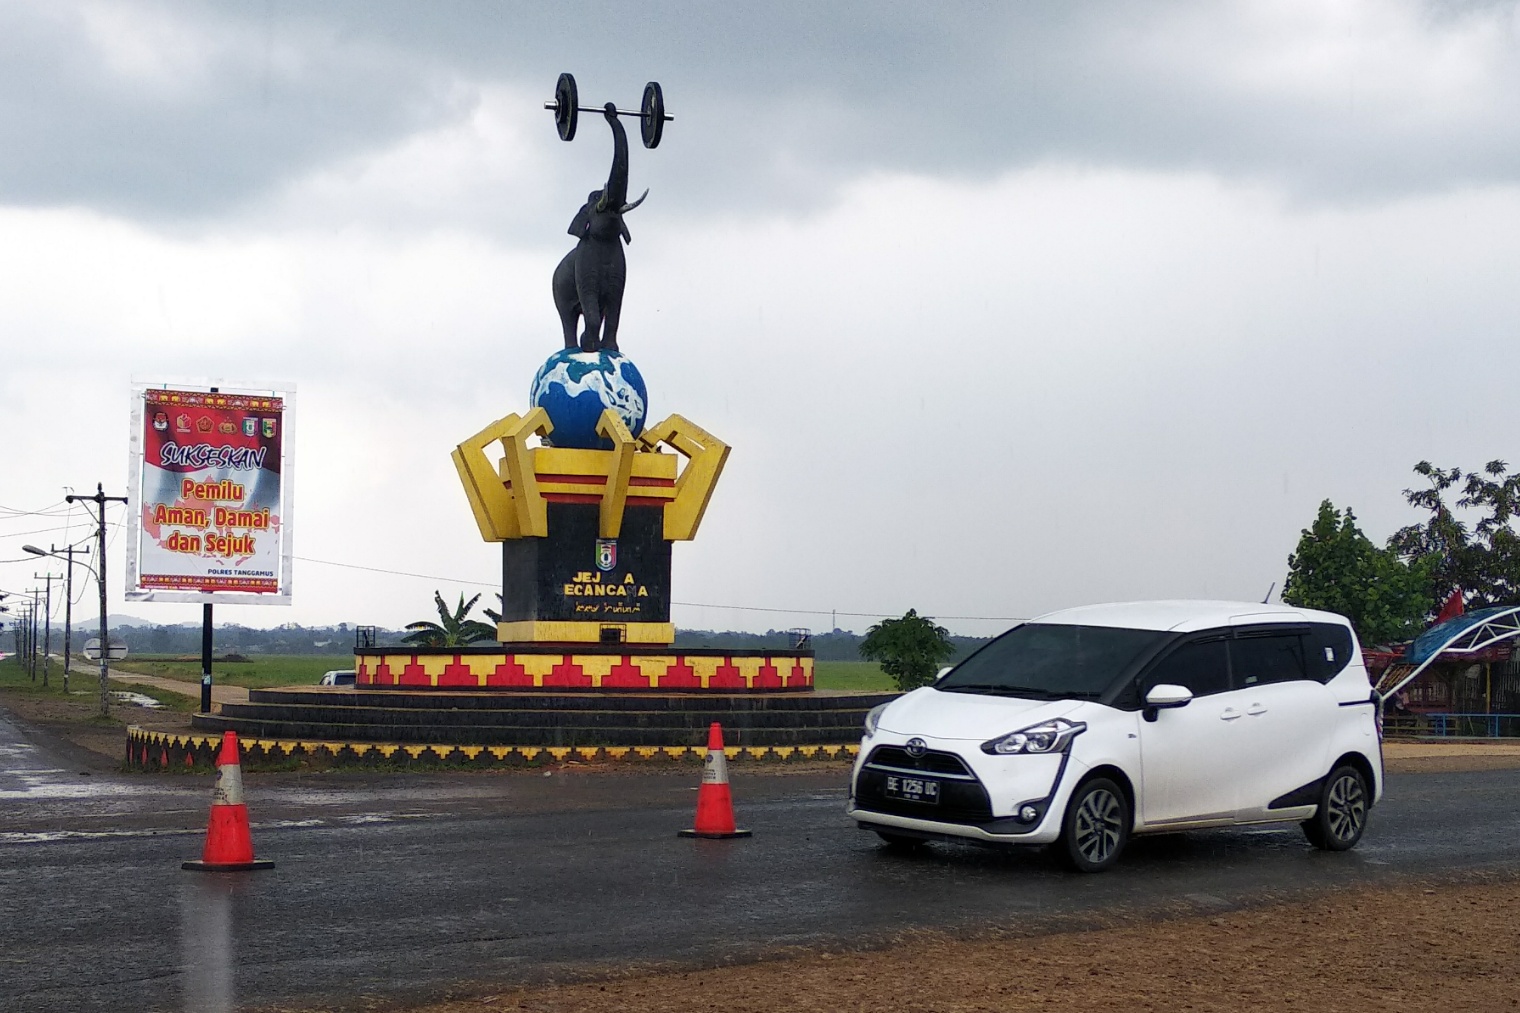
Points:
[[1051, 661]]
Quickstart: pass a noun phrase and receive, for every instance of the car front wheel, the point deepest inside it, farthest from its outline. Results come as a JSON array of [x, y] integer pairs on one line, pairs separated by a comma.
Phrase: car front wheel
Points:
[[1342, 815], [1096, 826]]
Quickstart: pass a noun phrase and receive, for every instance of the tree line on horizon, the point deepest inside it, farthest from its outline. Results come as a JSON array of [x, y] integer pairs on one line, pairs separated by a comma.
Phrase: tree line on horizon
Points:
[[338, 640]]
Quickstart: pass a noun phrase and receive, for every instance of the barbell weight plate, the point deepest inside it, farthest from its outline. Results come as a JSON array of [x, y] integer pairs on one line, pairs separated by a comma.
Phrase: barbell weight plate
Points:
[[652, 115], [565, 108]]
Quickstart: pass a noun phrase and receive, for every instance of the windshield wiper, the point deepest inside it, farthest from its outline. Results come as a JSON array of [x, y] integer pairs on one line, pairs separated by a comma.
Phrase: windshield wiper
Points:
[[994, 689]]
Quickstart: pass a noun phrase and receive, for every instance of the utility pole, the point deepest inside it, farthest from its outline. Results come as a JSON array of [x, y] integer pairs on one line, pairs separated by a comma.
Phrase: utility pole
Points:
[[31, 650], [100, 499], [68, 610], [47, 624]]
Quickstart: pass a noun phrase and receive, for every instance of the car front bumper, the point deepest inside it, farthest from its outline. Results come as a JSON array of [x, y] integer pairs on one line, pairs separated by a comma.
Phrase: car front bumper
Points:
[[993, 799]]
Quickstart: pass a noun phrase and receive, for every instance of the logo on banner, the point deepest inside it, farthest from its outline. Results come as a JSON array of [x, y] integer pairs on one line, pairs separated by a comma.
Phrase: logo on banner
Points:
[[203, 424], [606, 554], [227, 428], [182, 423], [161, 421], [269, 429], [250, 427]]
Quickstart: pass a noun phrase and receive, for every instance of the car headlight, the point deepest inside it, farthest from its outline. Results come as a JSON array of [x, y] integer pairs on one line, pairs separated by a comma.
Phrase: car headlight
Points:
[[1046, 737], [873, 716]]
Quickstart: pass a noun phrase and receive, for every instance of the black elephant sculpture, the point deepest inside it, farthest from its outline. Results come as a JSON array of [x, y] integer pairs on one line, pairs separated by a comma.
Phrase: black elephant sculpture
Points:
[[588, 283]]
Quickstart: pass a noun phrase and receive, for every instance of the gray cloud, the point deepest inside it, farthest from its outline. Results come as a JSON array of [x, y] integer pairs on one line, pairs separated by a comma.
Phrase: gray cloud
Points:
[[778, 103]]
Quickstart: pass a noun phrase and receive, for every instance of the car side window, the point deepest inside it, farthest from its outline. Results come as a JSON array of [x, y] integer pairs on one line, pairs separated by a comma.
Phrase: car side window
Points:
[[1327, 650], [1262, 658], [1202, 666]]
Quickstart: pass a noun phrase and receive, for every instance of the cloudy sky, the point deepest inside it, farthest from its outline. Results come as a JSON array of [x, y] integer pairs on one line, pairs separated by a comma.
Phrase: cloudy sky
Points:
[[1003, 307]]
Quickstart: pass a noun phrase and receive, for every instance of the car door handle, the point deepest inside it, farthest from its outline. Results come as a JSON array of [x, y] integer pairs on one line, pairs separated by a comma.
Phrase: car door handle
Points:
[[1230, 714], [1255, 709]]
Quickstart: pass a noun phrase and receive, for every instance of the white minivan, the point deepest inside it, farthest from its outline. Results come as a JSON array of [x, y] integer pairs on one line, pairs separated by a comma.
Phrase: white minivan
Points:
[[1082, 727]]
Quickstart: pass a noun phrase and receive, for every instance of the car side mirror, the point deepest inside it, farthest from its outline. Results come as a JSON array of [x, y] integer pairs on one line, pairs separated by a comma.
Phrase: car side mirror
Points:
[[1165, 696], [943, 672]]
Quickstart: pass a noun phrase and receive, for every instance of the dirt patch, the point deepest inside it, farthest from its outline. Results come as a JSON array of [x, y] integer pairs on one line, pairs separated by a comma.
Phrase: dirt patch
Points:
[[1451, 948], [1450, 757]]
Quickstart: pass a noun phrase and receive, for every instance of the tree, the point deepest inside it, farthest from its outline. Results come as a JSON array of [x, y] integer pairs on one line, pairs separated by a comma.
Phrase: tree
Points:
[[453, 630], [1339, 569], [909, 649], [1482, 561]]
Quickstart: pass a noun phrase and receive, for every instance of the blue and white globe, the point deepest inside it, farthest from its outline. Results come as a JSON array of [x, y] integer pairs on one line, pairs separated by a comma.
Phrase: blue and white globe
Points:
[[574, 387]]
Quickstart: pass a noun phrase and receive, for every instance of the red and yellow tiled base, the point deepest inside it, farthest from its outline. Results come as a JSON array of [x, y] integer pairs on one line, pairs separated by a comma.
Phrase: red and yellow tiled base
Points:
[[159, 751], [732, 673]]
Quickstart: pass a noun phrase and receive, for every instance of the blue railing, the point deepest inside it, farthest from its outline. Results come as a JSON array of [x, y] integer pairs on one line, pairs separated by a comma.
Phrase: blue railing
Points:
[[1454, 726]]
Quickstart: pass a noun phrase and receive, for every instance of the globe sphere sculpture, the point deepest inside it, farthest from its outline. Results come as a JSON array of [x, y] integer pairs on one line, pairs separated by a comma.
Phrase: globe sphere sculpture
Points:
[[573, 387]]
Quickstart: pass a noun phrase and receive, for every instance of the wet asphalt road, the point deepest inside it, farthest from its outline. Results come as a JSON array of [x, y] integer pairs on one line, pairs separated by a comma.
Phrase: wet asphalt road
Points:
[[403, 886]]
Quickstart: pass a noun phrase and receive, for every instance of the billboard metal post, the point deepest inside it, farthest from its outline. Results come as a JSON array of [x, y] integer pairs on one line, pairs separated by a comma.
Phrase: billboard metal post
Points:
[[206, 658]]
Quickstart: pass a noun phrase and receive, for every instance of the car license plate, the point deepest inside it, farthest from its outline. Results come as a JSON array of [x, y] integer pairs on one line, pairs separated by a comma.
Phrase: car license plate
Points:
[[912, 789]]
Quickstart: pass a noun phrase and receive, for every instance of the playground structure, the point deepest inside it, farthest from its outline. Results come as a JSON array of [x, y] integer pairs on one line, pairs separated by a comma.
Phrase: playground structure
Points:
[[1460, 678]]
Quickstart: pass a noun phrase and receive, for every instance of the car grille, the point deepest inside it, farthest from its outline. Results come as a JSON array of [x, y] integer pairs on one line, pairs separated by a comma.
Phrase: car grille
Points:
[[962, 798], [932, 762]]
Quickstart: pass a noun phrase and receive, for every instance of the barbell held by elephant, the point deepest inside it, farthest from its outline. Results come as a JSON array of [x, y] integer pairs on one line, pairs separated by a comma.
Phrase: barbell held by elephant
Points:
[[651, 114]]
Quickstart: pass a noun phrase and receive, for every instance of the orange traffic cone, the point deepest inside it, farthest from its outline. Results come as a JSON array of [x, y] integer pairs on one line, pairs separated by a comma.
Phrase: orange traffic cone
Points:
[[229, 844], [715, 806]]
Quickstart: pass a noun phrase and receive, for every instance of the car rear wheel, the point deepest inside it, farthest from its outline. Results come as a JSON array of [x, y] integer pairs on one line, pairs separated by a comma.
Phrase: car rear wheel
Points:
[[1096, 827], [1342, 815]]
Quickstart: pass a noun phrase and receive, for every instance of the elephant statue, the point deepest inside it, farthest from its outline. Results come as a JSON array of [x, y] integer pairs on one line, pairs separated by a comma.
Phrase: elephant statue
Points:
[[588, 283]]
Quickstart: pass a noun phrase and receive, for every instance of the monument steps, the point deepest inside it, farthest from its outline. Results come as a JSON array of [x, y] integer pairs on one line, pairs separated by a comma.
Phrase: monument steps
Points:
[[537, 718]]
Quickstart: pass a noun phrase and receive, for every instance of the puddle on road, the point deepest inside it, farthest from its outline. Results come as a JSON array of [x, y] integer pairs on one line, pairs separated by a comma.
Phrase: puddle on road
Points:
[[136, 699], [56, 783], [52, 836], [206, 958]]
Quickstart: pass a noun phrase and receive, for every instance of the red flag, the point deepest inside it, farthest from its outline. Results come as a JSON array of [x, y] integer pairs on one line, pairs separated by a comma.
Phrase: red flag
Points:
[[1451, 608]]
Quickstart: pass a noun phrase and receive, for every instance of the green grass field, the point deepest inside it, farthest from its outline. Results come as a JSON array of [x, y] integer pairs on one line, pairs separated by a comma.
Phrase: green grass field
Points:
[[864, 676], [13, 676], [256, 673], [84, 684], [307, 669]]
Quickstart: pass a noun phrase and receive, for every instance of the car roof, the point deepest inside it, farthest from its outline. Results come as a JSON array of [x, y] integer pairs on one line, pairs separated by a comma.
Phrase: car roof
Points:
[[1185, 616]]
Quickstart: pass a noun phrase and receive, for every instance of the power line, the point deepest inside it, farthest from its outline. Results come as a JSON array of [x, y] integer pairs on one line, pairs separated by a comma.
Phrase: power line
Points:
[[38, 531], [44, 512], [684, 604]]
